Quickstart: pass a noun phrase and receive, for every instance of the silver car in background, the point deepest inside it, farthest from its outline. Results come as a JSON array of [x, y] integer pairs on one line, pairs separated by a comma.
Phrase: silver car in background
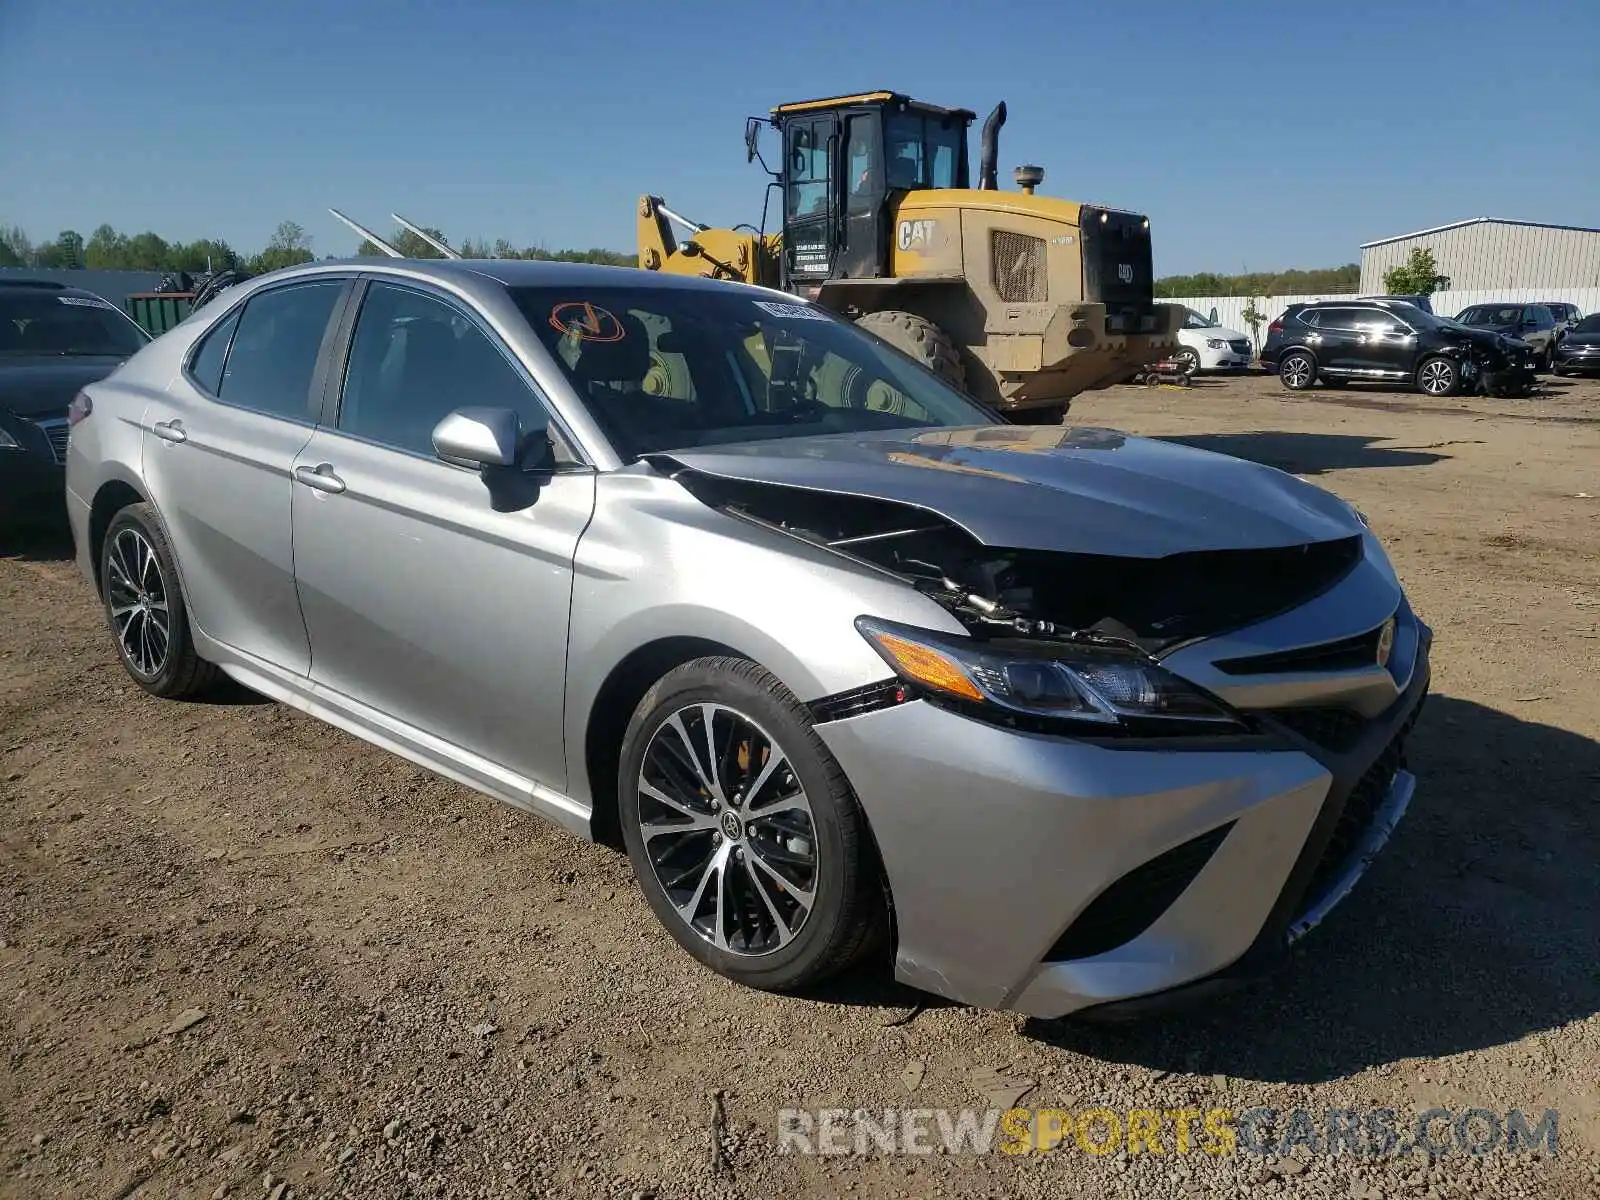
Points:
[[1065, 720]]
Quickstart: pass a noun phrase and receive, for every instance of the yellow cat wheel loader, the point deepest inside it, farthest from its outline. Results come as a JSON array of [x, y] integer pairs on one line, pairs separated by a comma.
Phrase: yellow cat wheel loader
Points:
[[1023, 300]]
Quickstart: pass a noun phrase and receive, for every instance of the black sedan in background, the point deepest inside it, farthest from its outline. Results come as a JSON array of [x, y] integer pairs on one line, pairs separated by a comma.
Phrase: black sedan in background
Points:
[[1579, 352], [54, 339]]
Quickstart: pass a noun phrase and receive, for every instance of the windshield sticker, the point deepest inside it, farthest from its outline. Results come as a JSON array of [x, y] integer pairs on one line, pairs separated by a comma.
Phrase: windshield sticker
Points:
[[85, 302], [798, 312], [586, 323]]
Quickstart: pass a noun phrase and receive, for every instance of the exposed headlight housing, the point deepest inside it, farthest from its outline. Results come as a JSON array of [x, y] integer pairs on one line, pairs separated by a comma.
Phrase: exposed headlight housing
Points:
[[1089, 690], [1216, 343]]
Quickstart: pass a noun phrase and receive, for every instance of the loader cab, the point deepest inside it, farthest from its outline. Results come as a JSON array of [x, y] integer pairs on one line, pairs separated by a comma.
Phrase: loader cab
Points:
[[845, 163]]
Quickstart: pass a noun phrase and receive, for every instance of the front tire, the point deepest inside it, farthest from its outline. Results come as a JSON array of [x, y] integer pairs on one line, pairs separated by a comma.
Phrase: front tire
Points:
[[1188, 360], [921, 339], [1438, 376], [144, 608], [1297, 371], [744, 834]]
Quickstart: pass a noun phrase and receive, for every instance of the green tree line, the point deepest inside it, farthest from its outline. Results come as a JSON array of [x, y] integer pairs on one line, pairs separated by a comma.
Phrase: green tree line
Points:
[[1294, 282], [109, 249]]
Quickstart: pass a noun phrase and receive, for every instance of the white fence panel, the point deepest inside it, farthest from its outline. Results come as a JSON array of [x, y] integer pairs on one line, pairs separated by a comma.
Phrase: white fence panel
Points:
[[1230, 309]]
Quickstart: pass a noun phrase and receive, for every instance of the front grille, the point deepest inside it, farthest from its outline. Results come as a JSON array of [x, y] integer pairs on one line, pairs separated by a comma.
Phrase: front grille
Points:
[[57, 431], [1359, 810], [1017, 267], [1136, 901], [1239, 346], [1346, 654], [1336, 730]]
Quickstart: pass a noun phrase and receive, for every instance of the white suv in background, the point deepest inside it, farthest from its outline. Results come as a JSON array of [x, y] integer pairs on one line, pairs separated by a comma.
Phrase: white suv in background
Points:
[[1206, 346]]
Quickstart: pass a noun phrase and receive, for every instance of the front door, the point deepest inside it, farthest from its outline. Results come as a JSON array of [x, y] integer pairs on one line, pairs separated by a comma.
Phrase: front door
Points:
[[218, 447], [810, 209], [424, 603]]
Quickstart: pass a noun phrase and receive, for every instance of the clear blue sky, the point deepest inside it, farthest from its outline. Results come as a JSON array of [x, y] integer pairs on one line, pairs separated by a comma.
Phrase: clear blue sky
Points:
[[1254, 135]]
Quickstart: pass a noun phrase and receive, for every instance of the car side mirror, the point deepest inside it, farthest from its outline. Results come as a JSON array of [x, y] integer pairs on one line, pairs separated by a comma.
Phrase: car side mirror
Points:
[[479, 437]]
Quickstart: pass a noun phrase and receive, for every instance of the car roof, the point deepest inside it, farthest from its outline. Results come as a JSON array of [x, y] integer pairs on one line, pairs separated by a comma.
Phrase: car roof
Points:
[[520, 272], [46, 285]]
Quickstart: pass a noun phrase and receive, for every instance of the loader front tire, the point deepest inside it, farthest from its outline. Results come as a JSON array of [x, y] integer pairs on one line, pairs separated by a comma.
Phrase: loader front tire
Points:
[[921, 339]]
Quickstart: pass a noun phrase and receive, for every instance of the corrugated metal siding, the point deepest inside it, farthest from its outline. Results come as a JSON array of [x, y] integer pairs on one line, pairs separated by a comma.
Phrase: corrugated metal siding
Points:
[[1230, 309], [1494, 256]]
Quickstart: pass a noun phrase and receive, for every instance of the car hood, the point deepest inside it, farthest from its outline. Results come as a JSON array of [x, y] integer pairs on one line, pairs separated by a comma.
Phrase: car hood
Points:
[[34, 385], [1218, 332], [1581, 339], [1077, 490]]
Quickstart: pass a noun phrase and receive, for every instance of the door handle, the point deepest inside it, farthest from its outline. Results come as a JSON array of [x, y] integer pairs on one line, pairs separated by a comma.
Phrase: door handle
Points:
[[170, 431], [320, 477]]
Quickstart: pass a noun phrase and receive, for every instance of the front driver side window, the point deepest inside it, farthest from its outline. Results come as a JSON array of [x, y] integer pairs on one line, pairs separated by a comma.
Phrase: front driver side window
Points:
[[413, 360]]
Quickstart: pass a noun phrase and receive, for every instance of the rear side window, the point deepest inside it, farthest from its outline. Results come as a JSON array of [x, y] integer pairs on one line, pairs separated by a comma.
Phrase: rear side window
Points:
[[1342, 318], [206, 366], [273, 358]]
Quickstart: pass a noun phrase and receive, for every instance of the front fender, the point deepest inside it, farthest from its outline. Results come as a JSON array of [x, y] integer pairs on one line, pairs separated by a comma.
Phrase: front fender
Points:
[[658, 564]]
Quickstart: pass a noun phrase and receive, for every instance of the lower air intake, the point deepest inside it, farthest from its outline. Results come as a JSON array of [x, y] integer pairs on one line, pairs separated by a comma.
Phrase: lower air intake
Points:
[[1136, 901]]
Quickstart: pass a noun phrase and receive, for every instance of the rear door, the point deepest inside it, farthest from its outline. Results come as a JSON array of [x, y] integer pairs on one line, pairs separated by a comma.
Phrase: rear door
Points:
[[1335, 340], [218, 447], [427, 601]]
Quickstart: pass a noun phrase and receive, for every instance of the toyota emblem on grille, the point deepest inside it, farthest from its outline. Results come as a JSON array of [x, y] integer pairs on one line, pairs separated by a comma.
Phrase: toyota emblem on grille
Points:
[[1385, 642]]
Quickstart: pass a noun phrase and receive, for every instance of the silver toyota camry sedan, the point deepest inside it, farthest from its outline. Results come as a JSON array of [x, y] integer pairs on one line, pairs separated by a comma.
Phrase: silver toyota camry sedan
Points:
[[1060, 720]]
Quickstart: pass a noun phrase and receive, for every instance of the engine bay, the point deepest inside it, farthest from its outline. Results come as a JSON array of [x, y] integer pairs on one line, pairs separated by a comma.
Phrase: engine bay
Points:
[[1150, 604]]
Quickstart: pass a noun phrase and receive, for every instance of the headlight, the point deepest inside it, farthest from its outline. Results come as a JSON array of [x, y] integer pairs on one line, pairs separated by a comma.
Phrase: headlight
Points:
[[1216, 343], [1100, 691], [7, 442]]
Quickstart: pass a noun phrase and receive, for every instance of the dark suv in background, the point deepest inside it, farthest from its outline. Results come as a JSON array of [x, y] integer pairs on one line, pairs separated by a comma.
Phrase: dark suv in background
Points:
[[1533, 323], [1388, 341]]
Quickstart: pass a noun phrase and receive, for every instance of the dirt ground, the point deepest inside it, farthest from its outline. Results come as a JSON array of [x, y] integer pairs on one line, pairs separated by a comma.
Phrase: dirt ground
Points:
[[244, 954]]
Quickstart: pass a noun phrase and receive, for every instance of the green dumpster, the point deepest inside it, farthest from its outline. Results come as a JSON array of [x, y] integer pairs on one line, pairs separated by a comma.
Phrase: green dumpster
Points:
[[159, 311]]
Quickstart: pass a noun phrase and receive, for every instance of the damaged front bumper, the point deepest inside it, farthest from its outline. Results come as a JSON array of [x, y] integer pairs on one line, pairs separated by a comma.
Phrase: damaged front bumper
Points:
[[1053, 876]]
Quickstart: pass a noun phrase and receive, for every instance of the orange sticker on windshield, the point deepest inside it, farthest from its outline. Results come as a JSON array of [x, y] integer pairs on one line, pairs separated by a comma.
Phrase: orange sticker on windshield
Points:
[[586, 322]]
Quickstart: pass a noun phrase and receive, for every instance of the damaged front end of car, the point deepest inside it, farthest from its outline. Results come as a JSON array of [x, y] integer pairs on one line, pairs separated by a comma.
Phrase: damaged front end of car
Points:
[[1056, 640]]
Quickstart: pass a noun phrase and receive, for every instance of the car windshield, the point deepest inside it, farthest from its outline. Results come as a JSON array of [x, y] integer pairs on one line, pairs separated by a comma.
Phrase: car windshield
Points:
[[1491, 316], [1590, 324], [665, 368], [49, 323]]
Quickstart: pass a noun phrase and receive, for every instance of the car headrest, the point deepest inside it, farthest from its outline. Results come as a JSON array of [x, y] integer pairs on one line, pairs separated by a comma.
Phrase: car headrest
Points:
[[621, 360]]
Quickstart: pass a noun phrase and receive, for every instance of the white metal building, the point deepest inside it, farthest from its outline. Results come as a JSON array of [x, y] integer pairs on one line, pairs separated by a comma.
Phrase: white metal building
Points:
[[1491, 254]]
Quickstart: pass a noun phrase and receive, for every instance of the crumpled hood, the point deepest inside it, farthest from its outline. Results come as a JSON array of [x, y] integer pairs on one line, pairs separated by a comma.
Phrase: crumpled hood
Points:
[[33, 386], [1077, 490]]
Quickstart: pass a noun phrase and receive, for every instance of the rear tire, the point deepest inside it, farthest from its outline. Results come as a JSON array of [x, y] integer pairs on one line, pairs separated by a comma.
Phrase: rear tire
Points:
[[1297, 371], [921, 339], [144, 608], [798, 830]]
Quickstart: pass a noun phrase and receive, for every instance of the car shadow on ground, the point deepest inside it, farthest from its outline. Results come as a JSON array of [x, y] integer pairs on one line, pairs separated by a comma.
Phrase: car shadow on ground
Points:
[[1309, 453], [1475, 928]]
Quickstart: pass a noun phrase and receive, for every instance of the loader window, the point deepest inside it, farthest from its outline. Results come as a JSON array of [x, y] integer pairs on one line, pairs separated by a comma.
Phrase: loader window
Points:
[[808, 167], [923, 151]]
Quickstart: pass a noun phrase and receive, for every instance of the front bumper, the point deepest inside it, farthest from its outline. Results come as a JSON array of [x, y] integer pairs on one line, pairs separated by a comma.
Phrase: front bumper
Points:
[[1570, 360], [1226, 359], [1051, 876], [32, 485]]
